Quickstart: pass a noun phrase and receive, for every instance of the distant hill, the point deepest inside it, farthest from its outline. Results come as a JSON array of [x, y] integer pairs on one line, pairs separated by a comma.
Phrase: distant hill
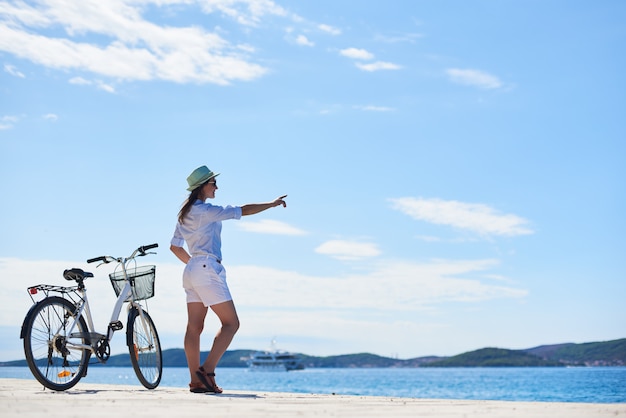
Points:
[[607, 353], [494, 357], [363, 360]]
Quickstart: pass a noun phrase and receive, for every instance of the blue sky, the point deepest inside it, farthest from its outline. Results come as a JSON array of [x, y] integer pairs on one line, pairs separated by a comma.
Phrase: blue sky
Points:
[[454, 168]]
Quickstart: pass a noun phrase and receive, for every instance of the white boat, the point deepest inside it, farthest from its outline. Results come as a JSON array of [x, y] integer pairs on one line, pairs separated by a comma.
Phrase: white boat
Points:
[[274, 360]]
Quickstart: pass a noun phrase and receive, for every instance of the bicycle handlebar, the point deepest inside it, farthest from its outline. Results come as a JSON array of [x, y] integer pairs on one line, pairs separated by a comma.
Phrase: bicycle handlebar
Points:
[[145, 248], [141, 251]]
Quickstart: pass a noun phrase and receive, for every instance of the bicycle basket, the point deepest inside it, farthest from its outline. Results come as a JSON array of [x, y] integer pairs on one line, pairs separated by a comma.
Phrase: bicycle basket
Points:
[[141, 281]]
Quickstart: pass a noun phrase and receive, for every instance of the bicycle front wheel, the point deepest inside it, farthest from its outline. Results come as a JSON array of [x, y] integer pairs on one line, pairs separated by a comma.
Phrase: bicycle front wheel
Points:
[[52, 354], [144, 348]]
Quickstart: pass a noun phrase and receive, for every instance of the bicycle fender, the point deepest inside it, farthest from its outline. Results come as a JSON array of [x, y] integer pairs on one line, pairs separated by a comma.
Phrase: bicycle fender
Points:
[[27, 319], [129, 335]]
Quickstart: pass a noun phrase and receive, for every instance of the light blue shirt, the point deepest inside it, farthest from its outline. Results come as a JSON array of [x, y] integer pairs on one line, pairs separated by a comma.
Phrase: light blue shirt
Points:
[[202, 229]]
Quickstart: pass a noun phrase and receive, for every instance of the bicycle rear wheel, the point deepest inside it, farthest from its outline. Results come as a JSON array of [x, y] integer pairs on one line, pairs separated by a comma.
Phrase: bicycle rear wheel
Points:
[[144, 348], [55, 364]]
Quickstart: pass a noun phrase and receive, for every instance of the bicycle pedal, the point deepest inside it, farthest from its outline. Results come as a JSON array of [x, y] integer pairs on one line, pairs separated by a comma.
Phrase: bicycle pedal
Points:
[[116, 326]]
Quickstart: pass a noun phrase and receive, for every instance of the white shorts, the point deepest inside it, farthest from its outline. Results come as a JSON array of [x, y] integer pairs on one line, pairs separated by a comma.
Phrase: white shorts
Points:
[[204, 280]]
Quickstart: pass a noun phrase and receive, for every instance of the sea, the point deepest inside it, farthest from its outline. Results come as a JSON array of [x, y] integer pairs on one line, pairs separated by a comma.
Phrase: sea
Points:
[[535, 384]]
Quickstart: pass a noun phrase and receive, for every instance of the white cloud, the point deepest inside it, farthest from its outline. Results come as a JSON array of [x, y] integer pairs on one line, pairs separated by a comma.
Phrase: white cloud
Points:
[[470, 216], [267, 226], [13, 71], [377, 66], [371, 108], [7, 122], [348, 250], [329, 29], [408, 37], [106, 87], [98, 83], [456, 240], [356, 53], [303, 40], [474, 78], [79, 81], [51, 116], [245, 12], [364, 55], [134, 48]]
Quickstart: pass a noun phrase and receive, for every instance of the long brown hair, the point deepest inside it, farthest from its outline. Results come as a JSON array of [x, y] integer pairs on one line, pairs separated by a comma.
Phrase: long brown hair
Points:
[[193, 196]]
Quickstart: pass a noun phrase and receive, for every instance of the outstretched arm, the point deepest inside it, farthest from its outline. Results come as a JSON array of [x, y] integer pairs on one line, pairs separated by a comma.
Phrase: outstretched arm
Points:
[[254, 208]]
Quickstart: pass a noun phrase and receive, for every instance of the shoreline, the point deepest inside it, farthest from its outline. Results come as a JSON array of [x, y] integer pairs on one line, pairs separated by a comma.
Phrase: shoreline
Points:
[[502, 384], [27, 398]]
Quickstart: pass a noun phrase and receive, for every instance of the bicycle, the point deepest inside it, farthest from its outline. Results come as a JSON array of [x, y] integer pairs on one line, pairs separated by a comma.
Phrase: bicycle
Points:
[[58, 332]]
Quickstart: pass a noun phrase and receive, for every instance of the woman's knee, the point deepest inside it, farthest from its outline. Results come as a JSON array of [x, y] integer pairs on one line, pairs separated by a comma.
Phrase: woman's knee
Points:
[[195, 328], [196, 312], [236, 324], [227, 314], [232, 325]]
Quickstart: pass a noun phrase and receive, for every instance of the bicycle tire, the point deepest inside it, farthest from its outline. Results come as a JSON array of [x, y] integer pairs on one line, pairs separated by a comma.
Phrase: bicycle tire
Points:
[[144, 348], [45, 332]]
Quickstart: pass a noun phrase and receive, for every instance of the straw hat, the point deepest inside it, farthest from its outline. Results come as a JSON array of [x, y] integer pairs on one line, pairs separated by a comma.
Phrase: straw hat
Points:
[[199, 176]]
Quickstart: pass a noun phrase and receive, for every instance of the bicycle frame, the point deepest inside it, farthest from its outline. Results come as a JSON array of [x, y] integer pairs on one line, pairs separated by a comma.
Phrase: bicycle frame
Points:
[[84, 310]]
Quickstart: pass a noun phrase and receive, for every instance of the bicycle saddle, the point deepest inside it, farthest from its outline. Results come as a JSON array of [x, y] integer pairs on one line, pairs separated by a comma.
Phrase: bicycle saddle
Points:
[[76, 274]]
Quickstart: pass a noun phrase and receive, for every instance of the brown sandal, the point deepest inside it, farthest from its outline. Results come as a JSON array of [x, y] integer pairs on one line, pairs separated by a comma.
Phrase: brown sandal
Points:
[[197, 387], [208, 380]]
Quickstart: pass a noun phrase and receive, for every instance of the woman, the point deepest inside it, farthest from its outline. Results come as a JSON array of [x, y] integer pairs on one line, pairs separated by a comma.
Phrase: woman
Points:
[[204, 279]]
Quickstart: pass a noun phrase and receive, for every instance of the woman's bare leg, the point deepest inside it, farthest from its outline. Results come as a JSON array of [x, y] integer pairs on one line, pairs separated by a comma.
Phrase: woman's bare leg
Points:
[[196, 312], [230, 324]]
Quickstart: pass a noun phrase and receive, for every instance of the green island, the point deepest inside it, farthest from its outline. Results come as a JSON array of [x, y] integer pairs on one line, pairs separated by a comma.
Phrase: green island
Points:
[[594, 354]]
